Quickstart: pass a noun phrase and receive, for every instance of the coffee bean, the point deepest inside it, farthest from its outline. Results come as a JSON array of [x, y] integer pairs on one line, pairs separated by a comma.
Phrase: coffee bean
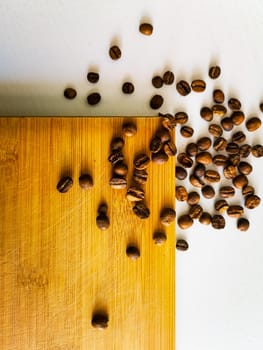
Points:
[[245, 168], [169, 121], [227, 124], [243, 224], [156, 101], [140, 176], [141, 210], [208, 192], [240, 181], [163, 134], [220, 144], [115, 52], [180, 173], [219, 111], [159, 237], [212, 176], [232, 148], [198, 85], [218, 222], [230, 171], [181, 245], [204, 143], [100, 320], [221, 205], [103, 208], [234, 104], [102, 222], [234, 159], [155, 144], [214, 72], [245, 150], [215, 130], [64, 184], [195, 211], [159, 157], [93, 98], [115, 157], [85, 181], [237, 117], [181, 118], [170, 148], [185, 160], [168, 78], [157, 81], [257, 151], [252, 201], [220, 160], [120, 169], [199, 170], [226, 191], [248, 190], [218, 96], [181, 193], [167, 216], [235, 211], [205, 218], [70, 93], [117, 143], [93, 77], [186, 131], [127, 88], [204, 158], [191, 149], [135, 194], [238, 137], [118, 182], [129, 129], [253, 124], [146, 28], [193, 198], [132, 252], [183, 88], [185, 221], [206, 113], [141, 161], [196, 181]]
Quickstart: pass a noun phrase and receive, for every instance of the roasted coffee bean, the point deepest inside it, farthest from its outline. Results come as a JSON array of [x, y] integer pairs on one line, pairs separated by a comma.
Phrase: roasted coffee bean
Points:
[[185, 221], [85, 181], [215, 130], [218, 222], [261, 107], [181, 193], [141, 161], [257, 151], [253, 124], [220, 160], [237, 117], [193, 198], [103, 208], [168, 78], [93, 98], [127, 88], [243, 224], [170, 148], [146, 28], [169, 122], [183, 88], [129, 129], [219, 111], [185, 160], [232, 148], [157, 81], [115, 157], [140, 176], [235, 211], [212, 176], [204, 143], [115, 52], [198, 85], [93, 77], [248, 190], [132, 252], [240, 181], [221, 205], [155, 144], [102, 221], [234, 159], [117, 144], [199, 170], [135, 194], [100, 320], [191, 149], [206, 113], [159, 157], [120, 169], [230, 171], [196, 181], [227, 124], [245, 150], [181, 118], [167, 216], [203, 158], [220, 144], [245, 168], [182, 245], [205, 218], [64, 184], [180, 173], [141, 210], [218, 96], [226, 191], [163, 134], [159, 237], [234, 104], [214, 72], [118, 182], [156, 101], [70, 93], [186, 131], [238, 137], [208, 192], [195, 211], [252, 201]]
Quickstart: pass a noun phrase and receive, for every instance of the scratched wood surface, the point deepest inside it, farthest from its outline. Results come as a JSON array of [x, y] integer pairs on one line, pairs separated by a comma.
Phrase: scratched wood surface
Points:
[[56, 267]]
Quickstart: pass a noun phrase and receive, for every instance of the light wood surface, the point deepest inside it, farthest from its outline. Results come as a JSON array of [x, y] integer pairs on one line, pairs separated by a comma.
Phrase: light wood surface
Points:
[[56, 266]]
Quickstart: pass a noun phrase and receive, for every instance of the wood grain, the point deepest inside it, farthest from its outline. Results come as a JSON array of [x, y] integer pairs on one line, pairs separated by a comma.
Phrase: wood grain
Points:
[[57, 267]]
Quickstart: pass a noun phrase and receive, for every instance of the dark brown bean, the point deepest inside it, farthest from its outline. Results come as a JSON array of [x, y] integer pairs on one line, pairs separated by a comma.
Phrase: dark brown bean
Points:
[[102, 221], [220, 144], [238, 137], [252, 201], [159, 157], [245, 150], [253, 124], [185, 221], [156, 101], [196, 181], [157, 81], [118, 182], [185, 160], [141, 161], [199, 170], [163, 134], [140, 176], [227, 124], [214, 72], [159, 237], [220, 160], [198, 85], [218, 222], [218, 96], [132, 252], [127, 88], [85, 181], [135, 194], [183, 88], [219, 111], [234, 159], [208, 192], [181, 118], [240, 181], [167, 216], [129, 129], [181, 193], [146, 28], [234, 104], [205, 218], [257, 151], [204, 158], [215, 130], [191, 149], [230, 171], [181, 245], [100, 320], [70, 93], [204, 143], [206, 113], [243, 224], [168, 78], [237, 117], [155, 144], [115, 157], [180, 173], [120, 169], [195, 211], [245, 168], [193, 198], [64, 184], [93, 98], [235, 211], [169, 121], [115, 52], [186, 131], [248, 190], [93, 77], [221, 205], [226, 191], [141, 210], [232, 148], [212, 176], [117, 144], [170, 148]]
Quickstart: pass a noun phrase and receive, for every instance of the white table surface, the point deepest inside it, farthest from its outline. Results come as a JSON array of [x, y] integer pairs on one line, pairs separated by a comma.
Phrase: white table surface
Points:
[[47, 45]]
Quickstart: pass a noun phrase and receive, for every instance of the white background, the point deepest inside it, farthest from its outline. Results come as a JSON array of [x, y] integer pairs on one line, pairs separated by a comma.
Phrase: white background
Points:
[[47, 45]]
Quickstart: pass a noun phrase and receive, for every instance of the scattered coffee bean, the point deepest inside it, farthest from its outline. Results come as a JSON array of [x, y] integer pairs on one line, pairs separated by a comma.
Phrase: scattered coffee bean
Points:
[[93, 77], [191, 149], [248, 190], [141, 210], [214, 72], [220, 160], [181, 193], [253, 124], [215, 130], [156, 101], [245, 150], [155, 144], [185, 160], [243, 224], [64, 184], [167, 216], [235, 211], [240, 181], [218, 96], [157, 81], [169, 121], [170, 148], [115, 52], [196, 181], [70, 93], [234, 159], [237, 117], [118, 182], [227, 124], [204, 158], [204, 143], [205, 218], [120, 169], [186, 131], [141, 161], [232, 148], [181, 244], [159, 237], [140, 176], [183, 88], [185, 221], [195, 211], [146, 28], [100, 320], [163, 134], [221, 205], [230, 171], [199, 170], [226, 191], [252, 201], [257, 151], [218, 222], [180, 173], [198, 85], [220, 144], [102, 221], [159, 157], [129, 129], [127, 88], [85, 181], [132, 252], [93, 98], [135, 194], [212, 176], [193, 198], [245, 168], [181, 118], [103, 208], [234, 104], [117, 144], [238, 137], [208, 192], [261, 107], [168, 78], [115, 157], [206, 113], [219, 111]]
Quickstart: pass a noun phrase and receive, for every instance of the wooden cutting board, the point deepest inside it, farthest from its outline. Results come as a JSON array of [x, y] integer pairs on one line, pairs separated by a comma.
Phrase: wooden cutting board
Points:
[[56, 266]]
